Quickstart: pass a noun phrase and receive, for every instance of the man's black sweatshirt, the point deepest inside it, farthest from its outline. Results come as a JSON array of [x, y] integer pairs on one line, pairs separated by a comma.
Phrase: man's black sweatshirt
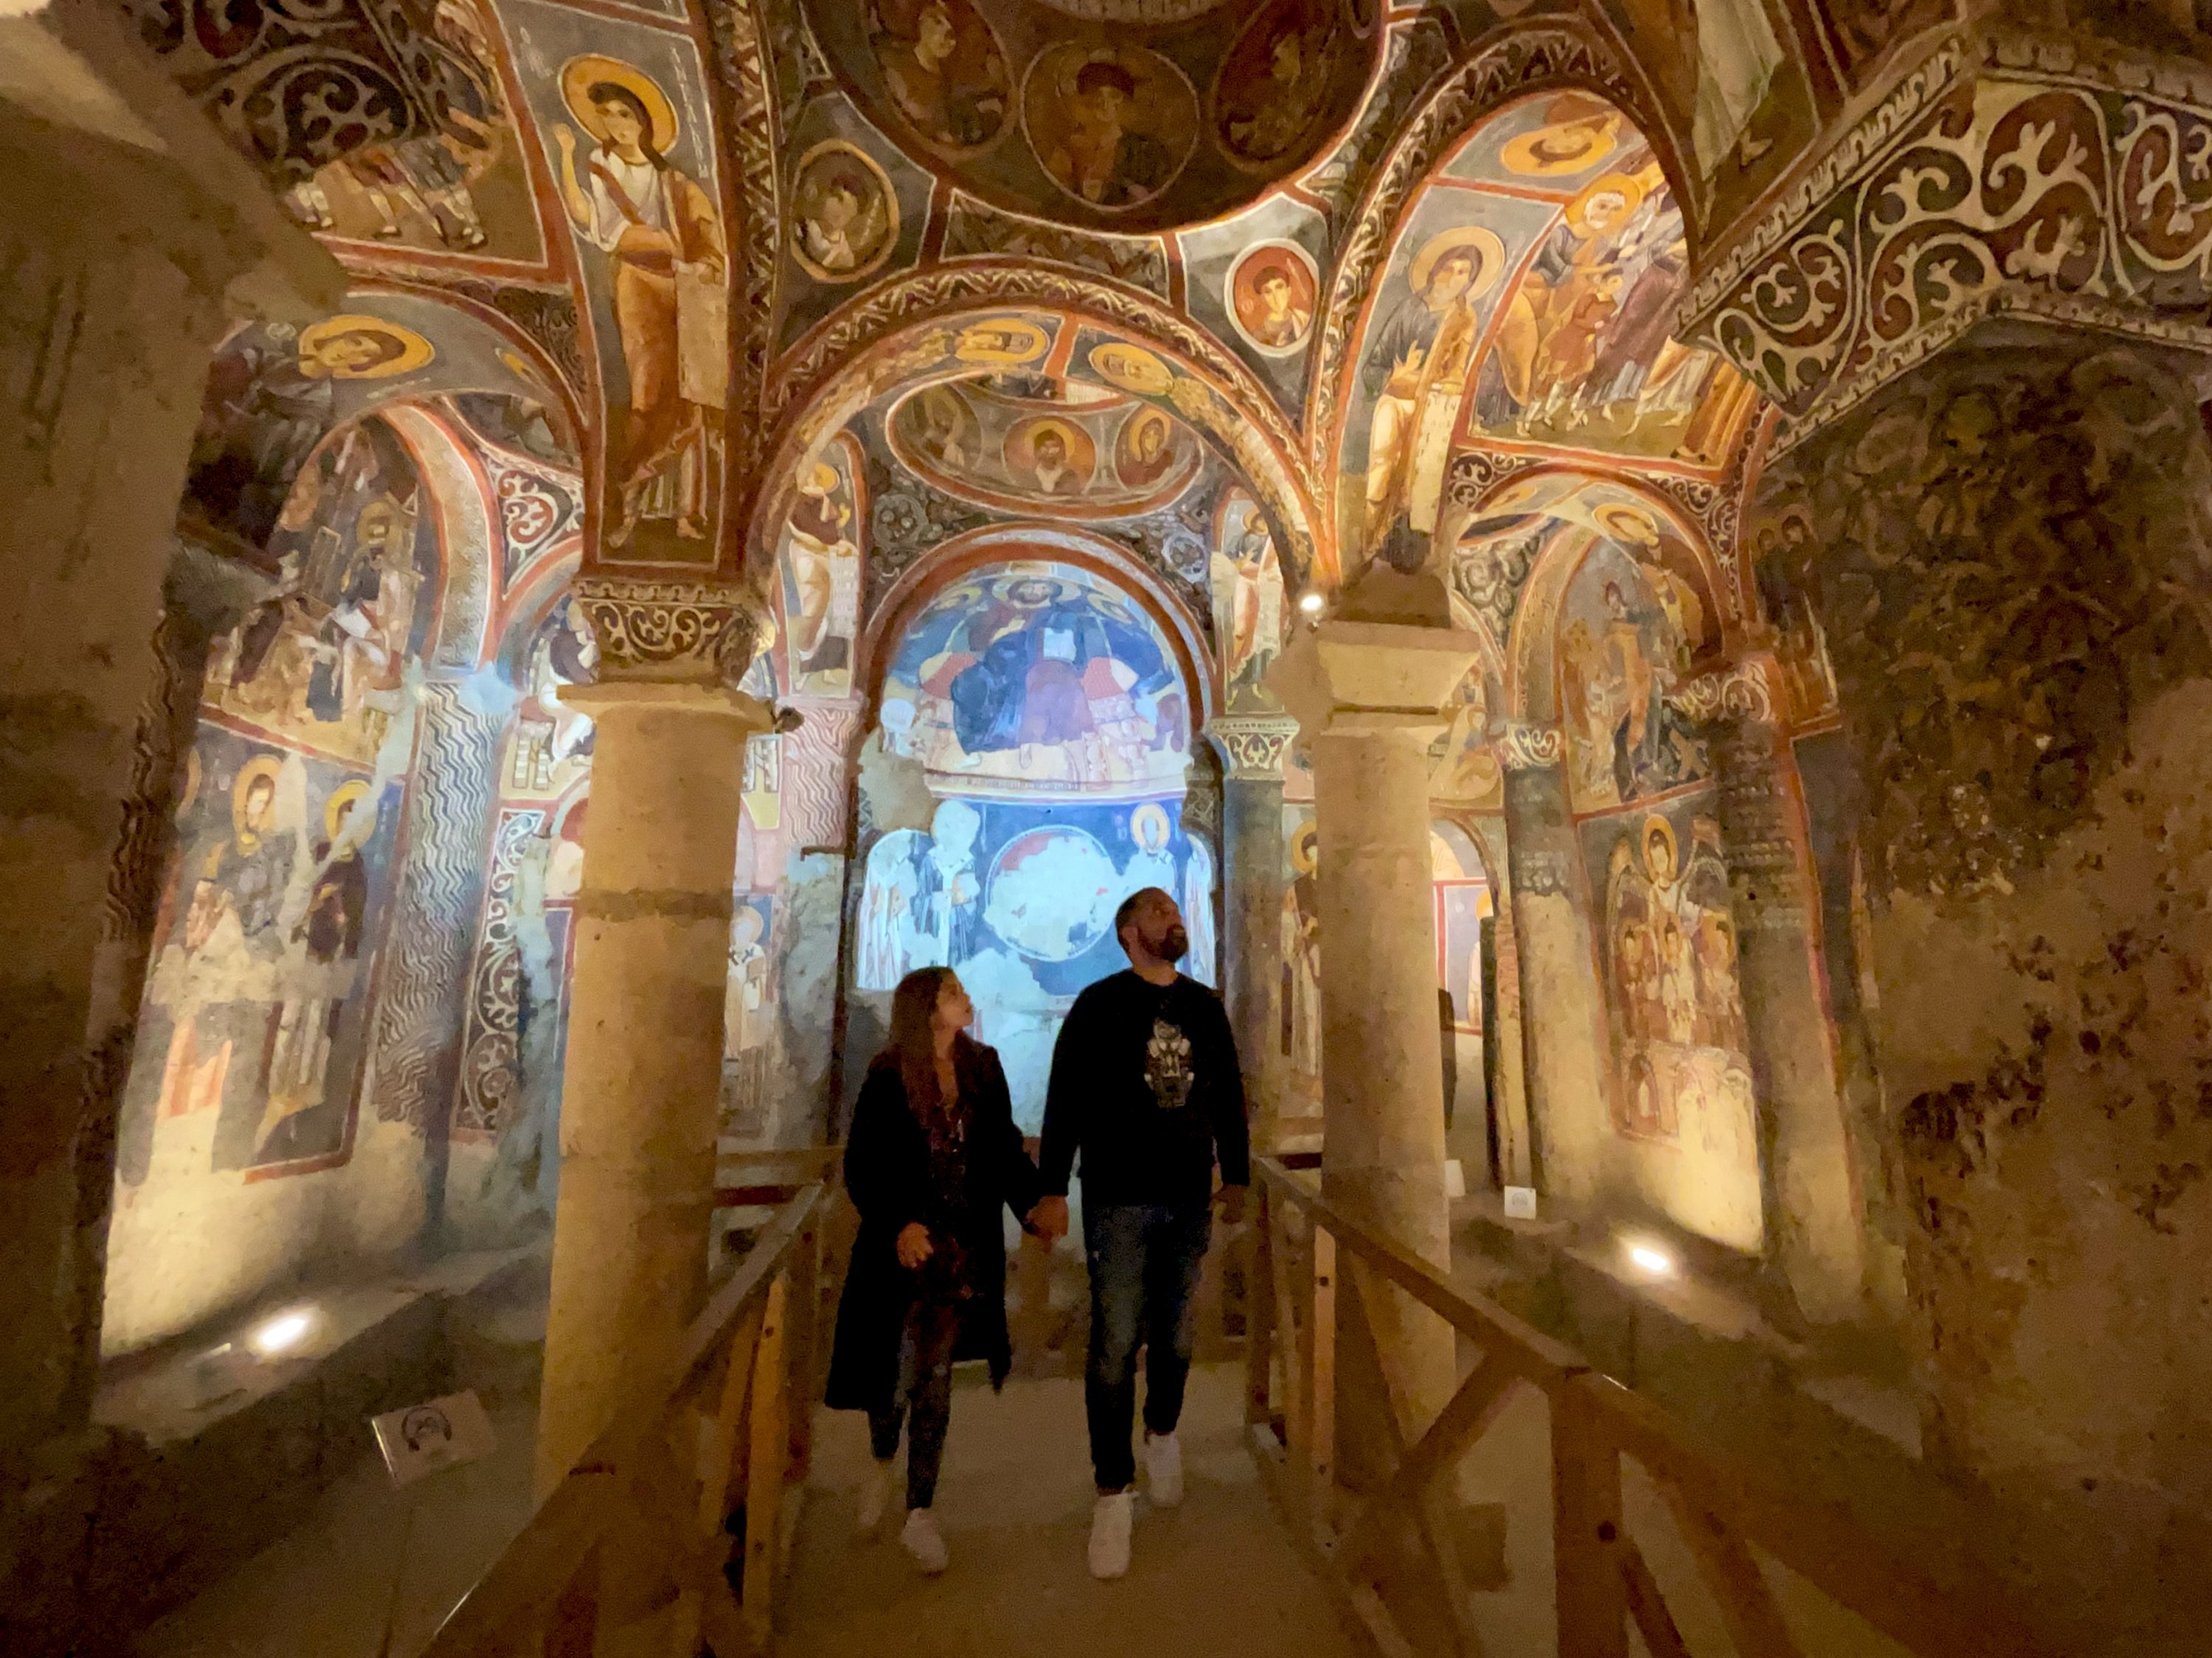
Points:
[[1144, 1086]]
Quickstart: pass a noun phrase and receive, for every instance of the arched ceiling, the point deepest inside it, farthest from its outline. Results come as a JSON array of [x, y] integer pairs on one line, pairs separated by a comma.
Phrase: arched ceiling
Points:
[[1119, 115]]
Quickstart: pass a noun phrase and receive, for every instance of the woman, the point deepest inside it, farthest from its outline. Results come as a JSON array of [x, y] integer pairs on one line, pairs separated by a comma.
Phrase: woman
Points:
[[933, 1154]]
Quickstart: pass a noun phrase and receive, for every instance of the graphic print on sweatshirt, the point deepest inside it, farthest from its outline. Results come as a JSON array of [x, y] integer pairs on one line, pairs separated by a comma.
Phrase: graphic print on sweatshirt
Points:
[[1167, 1066]]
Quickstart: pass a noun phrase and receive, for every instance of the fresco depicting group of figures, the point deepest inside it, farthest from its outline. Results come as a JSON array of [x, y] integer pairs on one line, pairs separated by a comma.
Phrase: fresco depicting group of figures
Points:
[[1107, 124], [1019, 897], [1038, 678], [1531, 301], [251, 1051], [1674, 995], [1059, 446]]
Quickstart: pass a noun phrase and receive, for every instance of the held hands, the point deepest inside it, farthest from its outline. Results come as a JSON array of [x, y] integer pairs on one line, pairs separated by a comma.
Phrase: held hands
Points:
[[565, 137], [913, 1247], [1048, 1220]]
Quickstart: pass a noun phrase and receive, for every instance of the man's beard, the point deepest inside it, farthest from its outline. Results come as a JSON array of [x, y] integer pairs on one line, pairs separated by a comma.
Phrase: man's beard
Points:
[[1174, 946]]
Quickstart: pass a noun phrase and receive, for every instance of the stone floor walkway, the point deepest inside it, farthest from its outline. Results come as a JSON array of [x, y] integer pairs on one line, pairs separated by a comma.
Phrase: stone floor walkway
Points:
[[1219, 1576]]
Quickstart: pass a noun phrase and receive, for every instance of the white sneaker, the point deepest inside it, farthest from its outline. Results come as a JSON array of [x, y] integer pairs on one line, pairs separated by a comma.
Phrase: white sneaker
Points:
[[876, 1488], [1163, 1470], [1109, 1533], [925, 1542]]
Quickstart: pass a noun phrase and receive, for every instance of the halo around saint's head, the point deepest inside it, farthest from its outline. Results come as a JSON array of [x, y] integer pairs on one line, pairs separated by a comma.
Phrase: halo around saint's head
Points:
[[343, 798], [579, 74], [385, 348], [253, 771], [1483, 243]]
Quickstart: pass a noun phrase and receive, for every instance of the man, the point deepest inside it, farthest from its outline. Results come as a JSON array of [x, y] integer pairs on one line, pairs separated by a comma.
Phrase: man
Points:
[[1144, 1087]]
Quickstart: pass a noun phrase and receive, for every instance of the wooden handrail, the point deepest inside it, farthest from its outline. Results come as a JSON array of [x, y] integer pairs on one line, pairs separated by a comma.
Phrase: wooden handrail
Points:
[[759, 1329], [1603, 1582]]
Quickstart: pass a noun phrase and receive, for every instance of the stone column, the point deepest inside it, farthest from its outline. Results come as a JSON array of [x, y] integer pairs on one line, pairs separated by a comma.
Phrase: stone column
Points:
[[2011, 550], [1252, 747], [1563, 1053], [642, 1078], [1808, 1171], [1371, 698]]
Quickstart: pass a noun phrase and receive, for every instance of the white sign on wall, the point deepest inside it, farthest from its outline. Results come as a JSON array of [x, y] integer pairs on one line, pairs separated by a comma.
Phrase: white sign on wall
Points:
[[441, 1433]]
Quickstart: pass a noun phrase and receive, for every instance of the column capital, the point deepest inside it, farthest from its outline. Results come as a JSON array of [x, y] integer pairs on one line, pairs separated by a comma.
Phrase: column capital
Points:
[[1525, 745], [604, 696], [2043, 166], [1745, 691], [674, 632], [1373, 678], [1252, 745]]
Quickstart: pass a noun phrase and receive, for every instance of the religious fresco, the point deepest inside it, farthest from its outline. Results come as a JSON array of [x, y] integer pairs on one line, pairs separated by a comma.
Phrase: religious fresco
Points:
[[1053, 726], [1249, 617], [1801, 642], [1111, 125], [317, 661], [1529, 302], [845, 214], [275, 391], [1583, 357], [550, 750], [463, 188], [254, 1039], [1174, 117], [1632, 621], [943, 71], [623, 112], [820, 572], [1270, 295], [1038, 678], [1673, 998], [1065, 448], [1018, 898], [1272, 92], [1463, 768], [249, 1051], [1430, 310]]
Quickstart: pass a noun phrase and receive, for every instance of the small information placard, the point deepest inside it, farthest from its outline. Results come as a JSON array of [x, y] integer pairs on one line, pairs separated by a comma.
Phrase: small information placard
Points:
[[441, 1433], [1520, 1203]]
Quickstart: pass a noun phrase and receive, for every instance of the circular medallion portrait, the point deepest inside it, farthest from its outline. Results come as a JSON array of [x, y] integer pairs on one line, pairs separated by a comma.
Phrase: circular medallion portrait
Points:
[[1111, 125], [1051, 456], [353, 347], [943, 72], [1277, 87], [1271, 293], [1144, 449], [845, 215]]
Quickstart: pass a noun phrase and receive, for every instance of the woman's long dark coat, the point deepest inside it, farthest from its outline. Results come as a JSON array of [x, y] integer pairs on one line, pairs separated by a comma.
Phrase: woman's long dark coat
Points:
[[887, 1175]]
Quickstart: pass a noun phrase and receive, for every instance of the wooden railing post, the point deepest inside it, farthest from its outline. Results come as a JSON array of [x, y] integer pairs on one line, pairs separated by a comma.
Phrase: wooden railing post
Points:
[[1259, 1311], [1586, 1535], [1322, 1394], [764, 1478]]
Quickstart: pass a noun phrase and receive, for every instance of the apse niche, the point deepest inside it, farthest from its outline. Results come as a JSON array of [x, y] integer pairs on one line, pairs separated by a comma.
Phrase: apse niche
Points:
[[1051, 724], [1130, 115]]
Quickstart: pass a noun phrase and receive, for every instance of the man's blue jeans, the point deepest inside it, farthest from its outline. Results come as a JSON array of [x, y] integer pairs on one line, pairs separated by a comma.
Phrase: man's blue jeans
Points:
[[1145, 1262]]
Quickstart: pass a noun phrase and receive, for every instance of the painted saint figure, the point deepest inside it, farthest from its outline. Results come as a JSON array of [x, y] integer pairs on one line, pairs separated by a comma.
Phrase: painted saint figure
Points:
[[663, 241], [953, 88], [1416, 370], [1102, 157]]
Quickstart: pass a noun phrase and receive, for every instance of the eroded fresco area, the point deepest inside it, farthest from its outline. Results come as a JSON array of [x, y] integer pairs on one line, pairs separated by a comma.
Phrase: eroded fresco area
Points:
[[2008, 557]]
